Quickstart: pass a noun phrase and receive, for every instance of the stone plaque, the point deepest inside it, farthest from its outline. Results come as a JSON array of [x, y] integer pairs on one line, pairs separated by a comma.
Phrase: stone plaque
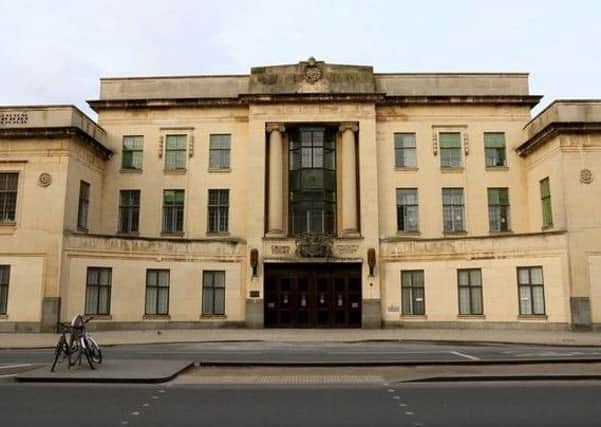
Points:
[[280, 250], [347, 249], [394, 309]]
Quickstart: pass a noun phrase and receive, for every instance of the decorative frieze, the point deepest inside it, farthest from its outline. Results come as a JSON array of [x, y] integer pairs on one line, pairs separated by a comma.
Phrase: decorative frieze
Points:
[[7, 119], [280, 250]]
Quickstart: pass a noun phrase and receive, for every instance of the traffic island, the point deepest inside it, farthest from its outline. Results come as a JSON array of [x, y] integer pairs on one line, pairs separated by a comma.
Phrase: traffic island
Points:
[[111, 371]]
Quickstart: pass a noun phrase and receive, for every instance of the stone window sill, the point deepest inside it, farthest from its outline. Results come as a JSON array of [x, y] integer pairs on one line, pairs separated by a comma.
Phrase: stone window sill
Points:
[[414, 316], [129, 234], [408, 233], [405, 169], [3, 316], [547, 227], [218, 233], [451, 169], [101, 316], [496, 168], [8, 227], [176, 234], [213, 316], [131, 170], [175, 171], [471, 316], [532, 317], [455, 233], [220, 170], [156, 317], [500, 233], [82, 230]]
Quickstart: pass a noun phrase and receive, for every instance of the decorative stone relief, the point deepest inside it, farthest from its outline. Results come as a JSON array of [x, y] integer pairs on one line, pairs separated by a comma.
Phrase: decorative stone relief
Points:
[[268, 78], [347, 249], [435, 143], [45, 179], [312, 71], [314, 245], [466, 144], [586, 176], [280, 250], [191, 146], [13, 119], [161, 143]]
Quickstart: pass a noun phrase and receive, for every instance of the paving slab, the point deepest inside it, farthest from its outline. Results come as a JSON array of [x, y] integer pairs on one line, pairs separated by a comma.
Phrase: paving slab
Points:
[[110, 371]]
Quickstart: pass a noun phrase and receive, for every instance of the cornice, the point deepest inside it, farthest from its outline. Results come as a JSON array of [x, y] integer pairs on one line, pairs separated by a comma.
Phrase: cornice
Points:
[[553, 129]]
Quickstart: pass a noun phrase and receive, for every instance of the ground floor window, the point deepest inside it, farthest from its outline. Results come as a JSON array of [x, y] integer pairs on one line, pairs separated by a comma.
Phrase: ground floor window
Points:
[[412, 292], [4, 278], [531, 290], [98, 291], [157, 292], [213, 292], [470, 291]]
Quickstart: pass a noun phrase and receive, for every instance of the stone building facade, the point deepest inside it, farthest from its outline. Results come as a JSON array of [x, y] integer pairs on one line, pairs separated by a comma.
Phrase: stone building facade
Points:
[[304, 195]]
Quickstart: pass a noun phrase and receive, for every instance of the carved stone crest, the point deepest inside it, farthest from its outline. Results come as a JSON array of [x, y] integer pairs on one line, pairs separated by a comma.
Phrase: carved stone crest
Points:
[[268, 78], [312, 71], [45, 179], [310, 245], [586, 176]]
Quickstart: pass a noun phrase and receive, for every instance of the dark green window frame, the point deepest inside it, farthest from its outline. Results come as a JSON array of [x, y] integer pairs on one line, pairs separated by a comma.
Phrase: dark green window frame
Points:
[[531, 291], [218, 214], [129, 211], [499, 218], [84, 206], [133, 152], [4, 281], [213, 293], [175, 152], [413, 295], [9, 183], [545, 197], [405, 152], [219, 150], [157, 292], [173, 211], [407, 210], [98, 290], [450, 149], [453, 210], [494, 149]]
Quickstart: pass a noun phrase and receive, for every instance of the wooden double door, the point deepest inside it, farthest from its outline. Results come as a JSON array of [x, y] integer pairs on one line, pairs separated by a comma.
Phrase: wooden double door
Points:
[[312, 296]]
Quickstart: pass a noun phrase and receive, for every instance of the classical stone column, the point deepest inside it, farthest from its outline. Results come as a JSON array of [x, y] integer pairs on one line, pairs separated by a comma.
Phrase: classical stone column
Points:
[[349, 179], [275, 216]]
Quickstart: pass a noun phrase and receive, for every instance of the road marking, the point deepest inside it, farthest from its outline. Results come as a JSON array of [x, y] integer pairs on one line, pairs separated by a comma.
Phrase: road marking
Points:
[[396, 397], [146, 405], [467, 356], [155, 397], [135, 413], [20, 365], [387, 352], [124, 423], [408, 413], [200, 352]]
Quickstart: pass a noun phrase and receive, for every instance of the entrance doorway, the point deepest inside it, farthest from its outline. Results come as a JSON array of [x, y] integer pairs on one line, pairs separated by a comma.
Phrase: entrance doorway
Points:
[[312, 295]]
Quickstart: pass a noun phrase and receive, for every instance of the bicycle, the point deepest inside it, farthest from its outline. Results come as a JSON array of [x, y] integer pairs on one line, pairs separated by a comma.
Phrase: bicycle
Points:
[[79, 341], [64, 348]]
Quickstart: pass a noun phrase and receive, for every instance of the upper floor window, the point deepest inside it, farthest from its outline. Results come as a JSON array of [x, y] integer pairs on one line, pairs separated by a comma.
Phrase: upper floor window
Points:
[[413, 297], [213, 292], [494, 149], [453, 209], [129, 211], [407, 209], [8, 196], [98, 290], [218, 211], [450, 149], [133, 150], [219, 151], [498, 209], [531, 290], [173, 211], [545, 196], [157, 292], [175, 152], [4, 279], [84, 205], [404, 150]]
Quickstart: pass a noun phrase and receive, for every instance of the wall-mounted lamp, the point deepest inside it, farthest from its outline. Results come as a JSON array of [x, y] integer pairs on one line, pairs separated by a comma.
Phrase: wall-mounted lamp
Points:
[[254, 260], [371, 260]]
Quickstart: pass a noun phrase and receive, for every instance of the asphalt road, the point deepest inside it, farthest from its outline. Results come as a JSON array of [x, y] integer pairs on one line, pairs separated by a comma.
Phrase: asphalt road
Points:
[[306, 353], [460, 404]]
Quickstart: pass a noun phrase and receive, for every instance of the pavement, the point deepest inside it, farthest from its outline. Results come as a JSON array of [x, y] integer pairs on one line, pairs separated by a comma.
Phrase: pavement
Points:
[[513, 336]]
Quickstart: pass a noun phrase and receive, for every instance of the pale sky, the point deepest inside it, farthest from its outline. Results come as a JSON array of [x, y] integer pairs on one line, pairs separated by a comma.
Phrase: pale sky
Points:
[[54, 51]]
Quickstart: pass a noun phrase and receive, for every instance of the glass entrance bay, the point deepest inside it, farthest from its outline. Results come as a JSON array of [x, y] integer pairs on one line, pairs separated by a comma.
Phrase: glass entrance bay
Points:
[[312, 173]]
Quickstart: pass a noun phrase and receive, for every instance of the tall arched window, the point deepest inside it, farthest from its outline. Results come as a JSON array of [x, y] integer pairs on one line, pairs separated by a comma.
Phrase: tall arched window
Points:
[[312, 180]]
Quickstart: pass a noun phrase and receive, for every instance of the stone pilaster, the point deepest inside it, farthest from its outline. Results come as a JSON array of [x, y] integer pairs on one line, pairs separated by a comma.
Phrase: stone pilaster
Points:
[[350, 222], [275, 216]]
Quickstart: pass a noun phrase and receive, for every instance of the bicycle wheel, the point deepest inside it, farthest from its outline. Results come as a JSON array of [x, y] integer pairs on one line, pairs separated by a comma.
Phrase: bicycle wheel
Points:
[[59, 354], [94, 349], [74, 352], [86, 351]]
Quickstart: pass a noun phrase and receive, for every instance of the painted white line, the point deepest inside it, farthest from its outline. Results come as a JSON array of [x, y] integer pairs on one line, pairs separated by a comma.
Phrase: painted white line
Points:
[[146, 405], [21, 365], [408, 413], [387, 352], [198, 352], [403, 404], [467, 356], [396, 397], [135, 413]]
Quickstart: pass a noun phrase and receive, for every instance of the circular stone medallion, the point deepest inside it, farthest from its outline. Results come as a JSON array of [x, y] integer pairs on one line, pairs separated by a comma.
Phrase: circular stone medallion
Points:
[[586, 176], [45, 179]]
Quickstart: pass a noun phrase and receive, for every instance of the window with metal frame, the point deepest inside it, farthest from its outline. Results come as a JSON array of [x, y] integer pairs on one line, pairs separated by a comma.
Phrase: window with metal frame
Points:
[[157, 292], [498, 209], [413, 297], [129, 211], [8, 197], [531, 290], [407, 210], [405, 150], [219, 151], [4, 280], [173, 211], [175, 152], [494, 149], [453, 209], [98, 290], [218, 211], [450, 149], [84, 205], [132, 153], [469, 282], [213, 293], [545, 196]]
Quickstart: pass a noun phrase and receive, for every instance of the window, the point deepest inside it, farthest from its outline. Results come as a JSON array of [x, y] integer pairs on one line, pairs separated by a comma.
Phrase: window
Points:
[[412, 292], [157, 292], [404, 150], [98, 291], [498, 209], [312, 180], [213, 292], [175, 152], [494, 149], [407, 209], [218, 211], [8, 197], [219, 151], [453, 209], [470, 291], [173, 211], [531, 292], [84, 205], [450, 149], [4, 278], [545, 196], [129, 211], [133, 147]]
